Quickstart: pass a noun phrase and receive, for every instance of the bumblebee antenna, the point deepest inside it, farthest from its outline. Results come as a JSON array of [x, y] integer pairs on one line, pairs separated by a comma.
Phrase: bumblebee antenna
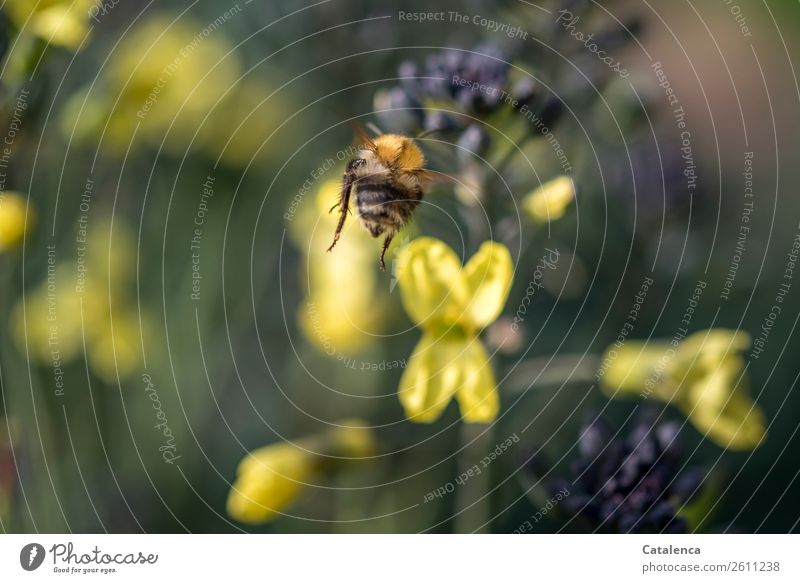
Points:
[[374, 129], [362, 137], [427, 133]]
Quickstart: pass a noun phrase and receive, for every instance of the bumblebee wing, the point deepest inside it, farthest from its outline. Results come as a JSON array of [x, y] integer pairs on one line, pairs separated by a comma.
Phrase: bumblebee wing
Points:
[[429, 177], [362, 137]]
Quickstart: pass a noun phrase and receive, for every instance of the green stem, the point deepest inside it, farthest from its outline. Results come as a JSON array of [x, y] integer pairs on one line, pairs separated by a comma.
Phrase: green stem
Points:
[[552, 370], [508, 157], [473, 513]]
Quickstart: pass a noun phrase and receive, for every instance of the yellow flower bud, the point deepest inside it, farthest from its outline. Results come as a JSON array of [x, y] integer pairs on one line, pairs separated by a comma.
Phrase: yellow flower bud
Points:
[[550, 201], [13, 210], [271, 478], [268, 480]]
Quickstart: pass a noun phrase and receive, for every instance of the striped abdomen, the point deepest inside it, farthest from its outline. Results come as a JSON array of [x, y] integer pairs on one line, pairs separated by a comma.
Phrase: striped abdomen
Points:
[[385, 205]]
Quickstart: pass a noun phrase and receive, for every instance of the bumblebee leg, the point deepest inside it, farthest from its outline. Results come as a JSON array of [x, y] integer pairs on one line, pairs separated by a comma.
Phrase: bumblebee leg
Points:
[[336, 205], [386, 242], [344, 198]]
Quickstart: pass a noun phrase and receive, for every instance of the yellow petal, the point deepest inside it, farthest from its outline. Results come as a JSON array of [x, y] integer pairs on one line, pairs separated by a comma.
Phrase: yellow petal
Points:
[[63, 22], [550, 201], [477, 397], [434, 374], [61, 25], [488, 276], [705, 350], [720, 407], [711, 371], [431, 283]]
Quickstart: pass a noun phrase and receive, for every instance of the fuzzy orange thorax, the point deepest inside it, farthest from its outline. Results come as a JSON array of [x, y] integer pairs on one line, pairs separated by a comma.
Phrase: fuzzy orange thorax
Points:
[[399, 152]]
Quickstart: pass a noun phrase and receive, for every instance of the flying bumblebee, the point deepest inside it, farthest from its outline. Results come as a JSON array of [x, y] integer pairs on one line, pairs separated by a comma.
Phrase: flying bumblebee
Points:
[[389, 178]]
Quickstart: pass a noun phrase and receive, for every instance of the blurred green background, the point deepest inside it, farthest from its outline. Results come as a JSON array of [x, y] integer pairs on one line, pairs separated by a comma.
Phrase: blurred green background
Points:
[[168, 156]]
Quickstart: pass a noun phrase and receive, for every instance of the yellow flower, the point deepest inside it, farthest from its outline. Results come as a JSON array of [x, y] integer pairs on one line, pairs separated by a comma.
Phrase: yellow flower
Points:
[[550, 201], [115, 344], [162, 81], [61, 22], [239, 127], [172, 81], [338, 317], [13, 210], [85, 306], [50, 313], [271, 478], [703, 376], [451, 304]]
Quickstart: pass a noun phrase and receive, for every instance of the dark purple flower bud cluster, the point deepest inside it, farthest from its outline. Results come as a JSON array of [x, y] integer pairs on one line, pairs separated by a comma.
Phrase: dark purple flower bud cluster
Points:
[[631, 485], [452, 89]]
